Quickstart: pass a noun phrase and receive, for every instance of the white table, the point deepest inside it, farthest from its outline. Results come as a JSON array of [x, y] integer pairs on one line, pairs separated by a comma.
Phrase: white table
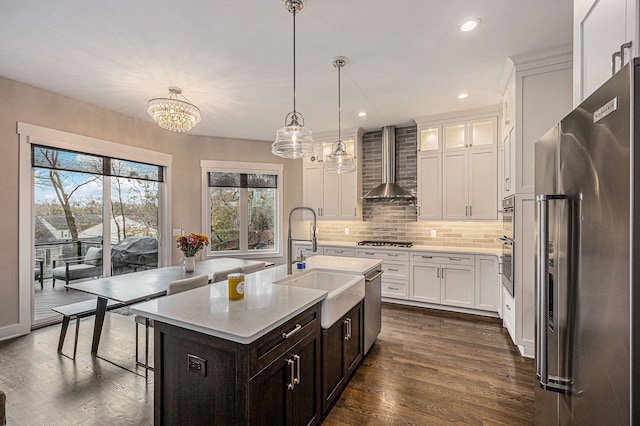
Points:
[[145, 285]]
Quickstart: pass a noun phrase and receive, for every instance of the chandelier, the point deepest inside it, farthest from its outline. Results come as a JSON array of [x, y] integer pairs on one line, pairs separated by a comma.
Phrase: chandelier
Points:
[[293, 140], [339, 161], [174, 114]]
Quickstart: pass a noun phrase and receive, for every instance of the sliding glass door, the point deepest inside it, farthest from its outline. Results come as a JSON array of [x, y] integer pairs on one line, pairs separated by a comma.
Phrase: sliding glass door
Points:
[[74, 193]]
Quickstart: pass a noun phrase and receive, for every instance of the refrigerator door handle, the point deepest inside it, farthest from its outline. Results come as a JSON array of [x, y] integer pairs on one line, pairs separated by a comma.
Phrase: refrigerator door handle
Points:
[[555, 384]]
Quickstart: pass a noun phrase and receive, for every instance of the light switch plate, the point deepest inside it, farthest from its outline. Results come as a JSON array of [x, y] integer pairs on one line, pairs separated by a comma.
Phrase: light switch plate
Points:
[[433, 233], [197, 365], [177, 232]]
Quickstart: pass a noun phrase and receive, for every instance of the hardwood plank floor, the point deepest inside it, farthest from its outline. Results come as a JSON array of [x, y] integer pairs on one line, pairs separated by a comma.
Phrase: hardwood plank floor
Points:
[[427, 367], [430, 367]]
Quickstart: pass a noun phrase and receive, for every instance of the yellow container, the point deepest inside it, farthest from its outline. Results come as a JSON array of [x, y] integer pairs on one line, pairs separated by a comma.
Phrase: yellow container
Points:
[[236, 286]]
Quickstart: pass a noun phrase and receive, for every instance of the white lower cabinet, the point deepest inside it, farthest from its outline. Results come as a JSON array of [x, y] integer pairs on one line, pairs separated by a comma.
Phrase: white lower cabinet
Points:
[[425, 283], [457, 285], [461, 280], [395, 267], [509, 313], [442, 278], [487, 295]]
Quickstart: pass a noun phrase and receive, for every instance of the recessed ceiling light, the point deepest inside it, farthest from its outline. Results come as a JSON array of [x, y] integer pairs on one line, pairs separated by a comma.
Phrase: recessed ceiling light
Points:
[[362, 114], [463, 95], [470, 25]]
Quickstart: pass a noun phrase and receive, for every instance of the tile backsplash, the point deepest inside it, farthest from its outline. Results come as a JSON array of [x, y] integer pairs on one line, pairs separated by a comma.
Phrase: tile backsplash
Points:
[[454, 234], [397, 220]]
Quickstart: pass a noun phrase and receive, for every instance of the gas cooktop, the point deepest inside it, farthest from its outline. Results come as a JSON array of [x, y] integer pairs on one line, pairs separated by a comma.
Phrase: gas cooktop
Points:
[[379, 243]]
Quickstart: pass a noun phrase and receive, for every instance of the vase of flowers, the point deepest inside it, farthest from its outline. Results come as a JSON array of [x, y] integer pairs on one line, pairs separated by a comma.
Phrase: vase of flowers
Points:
[[191, 244]]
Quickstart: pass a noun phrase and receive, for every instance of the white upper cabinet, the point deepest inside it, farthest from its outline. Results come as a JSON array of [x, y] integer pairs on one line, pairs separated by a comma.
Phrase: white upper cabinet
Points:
[[429, 186], [600, 29], [430, 139], [469, 185], [470, 134], [332, 195], [458, 165], [538, 88]]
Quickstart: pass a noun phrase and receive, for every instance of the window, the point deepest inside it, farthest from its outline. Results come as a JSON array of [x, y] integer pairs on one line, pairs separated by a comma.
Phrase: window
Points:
[[242, 207]]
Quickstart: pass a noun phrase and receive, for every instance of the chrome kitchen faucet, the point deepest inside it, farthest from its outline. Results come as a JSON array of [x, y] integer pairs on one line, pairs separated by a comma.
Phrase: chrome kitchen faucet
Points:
[[290, 240]]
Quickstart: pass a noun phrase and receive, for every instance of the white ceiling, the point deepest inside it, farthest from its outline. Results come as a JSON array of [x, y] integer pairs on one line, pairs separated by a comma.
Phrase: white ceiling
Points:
[[233, 58]]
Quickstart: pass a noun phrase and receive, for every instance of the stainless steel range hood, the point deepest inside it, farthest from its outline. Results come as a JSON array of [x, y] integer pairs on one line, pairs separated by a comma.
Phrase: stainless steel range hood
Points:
[[388, 189]]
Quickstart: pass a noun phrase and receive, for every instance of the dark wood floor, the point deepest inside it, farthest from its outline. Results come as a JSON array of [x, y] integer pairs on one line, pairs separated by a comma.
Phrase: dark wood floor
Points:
[[427, 367]]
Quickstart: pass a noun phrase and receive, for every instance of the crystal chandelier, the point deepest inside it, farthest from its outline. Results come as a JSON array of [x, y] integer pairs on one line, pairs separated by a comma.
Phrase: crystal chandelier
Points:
[[339, 161], [174, 114], [293, 140]]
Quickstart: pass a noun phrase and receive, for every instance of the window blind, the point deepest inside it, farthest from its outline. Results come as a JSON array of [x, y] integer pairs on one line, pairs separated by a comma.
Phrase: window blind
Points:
[[72, 161]]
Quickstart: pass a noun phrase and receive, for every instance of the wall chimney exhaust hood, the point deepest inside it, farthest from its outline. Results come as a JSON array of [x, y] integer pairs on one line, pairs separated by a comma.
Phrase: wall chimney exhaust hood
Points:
[[388, 190]]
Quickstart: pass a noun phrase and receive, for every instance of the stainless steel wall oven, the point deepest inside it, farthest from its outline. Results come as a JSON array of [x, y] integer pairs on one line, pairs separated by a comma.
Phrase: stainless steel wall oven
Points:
[[508, 243]]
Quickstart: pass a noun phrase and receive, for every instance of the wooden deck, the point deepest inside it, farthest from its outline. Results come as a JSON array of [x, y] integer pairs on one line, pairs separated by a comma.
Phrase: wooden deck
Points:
[[49, 297]]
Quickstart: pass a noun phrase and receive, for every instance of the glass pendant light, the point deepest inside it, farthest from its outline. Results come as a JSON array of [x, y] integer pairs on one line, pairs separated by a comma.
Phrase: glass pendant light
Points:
[[293, 140], [339, 161]]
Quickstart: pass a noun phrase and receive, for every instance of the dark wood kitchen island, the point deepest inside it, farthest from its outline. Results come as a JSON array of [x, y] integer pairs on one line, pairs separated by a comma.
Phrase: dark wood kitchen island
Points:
[[254, 361]]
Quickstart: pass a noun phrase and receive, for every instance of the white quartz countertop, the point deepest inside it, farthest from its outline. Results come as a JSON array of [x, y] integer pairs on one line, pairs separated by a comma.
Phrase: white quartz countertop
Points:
[[344, 264], [446, 249], [265, 306]]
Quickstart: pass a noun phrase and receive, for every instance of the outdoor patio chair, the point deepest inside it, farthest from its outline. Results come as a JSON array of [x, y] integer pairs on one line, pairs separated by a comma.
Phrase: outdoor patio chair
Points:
[[75, 268]]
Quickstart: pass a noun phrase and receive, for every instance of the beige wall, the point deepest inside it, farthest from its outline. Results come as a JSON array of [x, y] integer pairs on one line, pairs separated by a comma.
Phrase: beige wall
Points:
[[28, 104]]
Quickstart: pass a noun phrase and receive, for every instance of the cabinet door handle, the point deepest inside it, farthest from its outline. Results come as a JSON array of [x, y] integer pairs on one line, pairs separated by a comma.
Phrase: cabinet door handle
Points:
[[292, 373], [339, 251], [392, 255], [466, 211], [346, 329], [508, 307], [297, 328], [349, 328], [355, 211], [369, 253], [438, 273], [418, 210], [456, 259], [470, 211], [296, 358], [394, 270], [393, 288], [427, 257]]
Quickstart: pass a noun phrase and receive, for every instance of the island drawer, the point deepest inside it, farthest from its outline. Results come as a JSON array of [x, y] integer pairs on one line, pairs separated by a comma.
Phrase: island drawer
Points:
[[272, 345]]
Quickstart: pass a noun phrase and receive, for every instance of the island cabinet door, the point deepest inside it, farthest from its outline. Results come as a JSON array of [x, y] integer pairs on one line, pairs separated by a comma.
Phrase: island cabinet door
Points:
[[342, 351], [287, 391]]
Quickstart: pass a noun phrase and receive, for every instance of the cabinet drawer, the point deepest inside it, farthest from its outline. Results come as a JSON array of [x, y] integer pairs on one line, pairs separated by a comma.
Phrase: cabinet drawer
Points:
[[395, 289], [271, 346], [340, 251], [449, 258], [383, 254], [399, 270], [306, 250]]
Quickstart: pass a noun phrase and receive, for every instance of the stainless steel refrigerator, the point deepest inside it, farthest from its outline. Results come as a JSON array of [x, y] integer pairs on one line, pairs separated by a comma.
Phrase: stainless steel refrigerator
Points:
[[587, 185]]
